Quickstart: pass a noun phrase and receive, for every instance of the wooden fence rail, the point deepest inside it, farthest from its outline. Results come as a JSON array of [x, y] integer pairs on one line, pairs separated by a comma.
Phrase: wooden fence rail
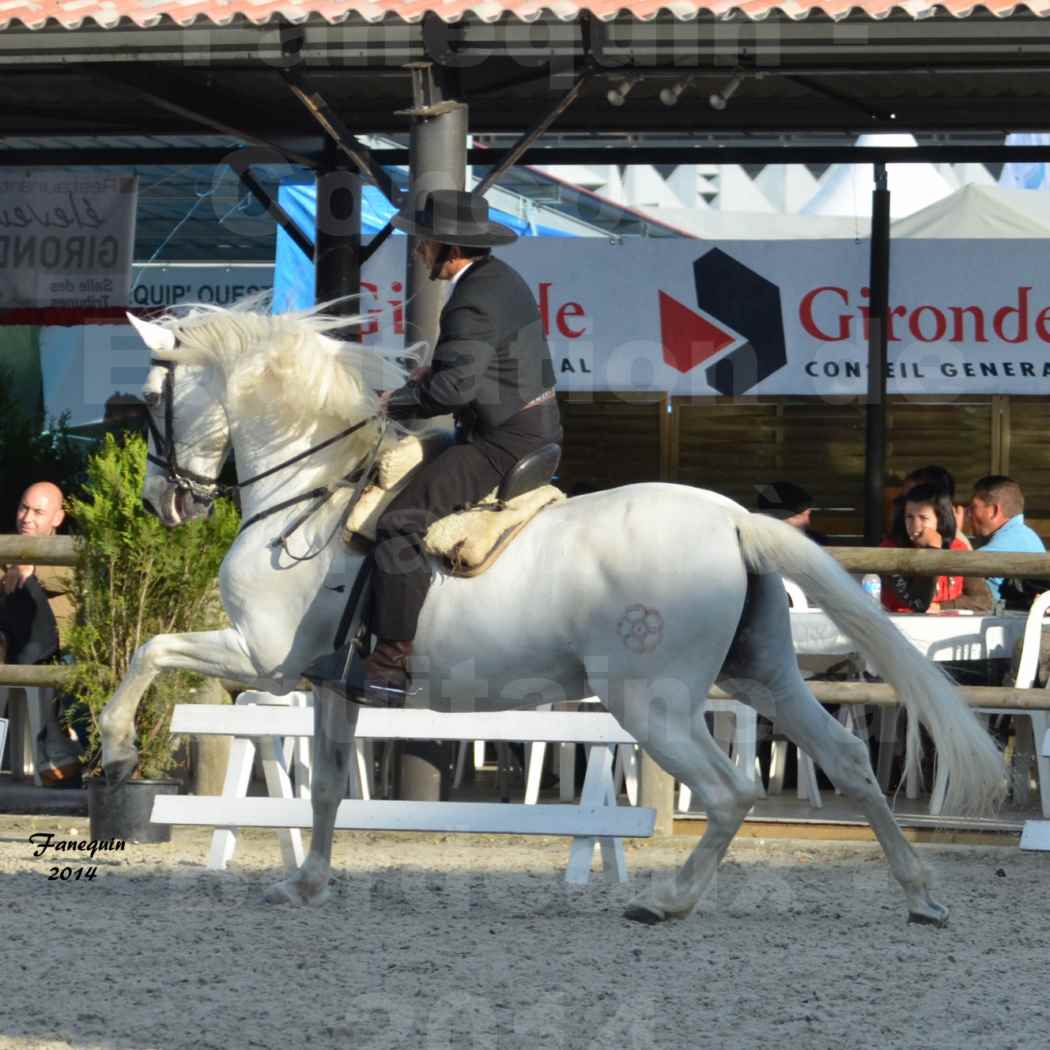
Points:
[[940, 563], [38, 550], [61, 550], [876, 693]]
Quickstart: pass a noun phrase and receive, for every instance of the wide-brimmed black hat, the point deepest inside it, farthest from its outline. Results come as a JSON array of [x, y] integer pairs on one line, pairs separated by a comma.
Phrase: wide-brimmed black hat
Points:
[[454, 217]]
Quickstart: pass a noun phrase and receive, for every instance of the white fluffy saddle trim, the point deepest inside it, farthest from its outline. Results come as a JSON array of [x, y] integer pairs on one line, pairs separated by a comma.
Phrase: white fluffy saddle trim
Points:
[[467, 539], [397, 462]]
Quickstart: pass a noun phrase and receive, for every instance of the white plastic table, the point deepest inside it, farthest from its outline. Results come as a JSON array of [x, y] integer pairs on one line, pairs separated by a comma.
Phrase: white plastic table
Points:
[[938, 636]]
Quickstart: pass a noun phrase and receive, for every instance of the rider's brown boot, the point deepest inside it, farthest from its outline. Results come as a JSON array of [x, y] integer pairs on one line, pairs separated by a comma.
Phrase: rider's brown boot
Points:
[[387, 679]]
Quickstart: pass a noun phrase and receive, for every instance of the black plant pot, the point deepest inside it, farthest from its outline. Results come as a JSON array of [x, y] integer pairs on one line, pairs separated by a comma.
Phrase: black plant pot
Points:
[[122, 811]]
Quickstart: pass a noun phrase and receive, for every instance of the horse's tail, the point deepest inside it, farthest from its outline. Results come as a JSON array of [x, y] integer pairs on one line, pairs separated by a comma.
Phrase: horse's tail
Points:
[[969, 774]]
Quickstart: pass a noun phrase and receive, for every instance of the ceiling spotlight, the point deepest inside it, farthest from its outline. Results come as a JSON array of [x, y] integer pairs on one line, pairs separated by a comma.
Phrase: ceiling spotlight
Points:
[[617, 94], [669, 95], [719, 99]]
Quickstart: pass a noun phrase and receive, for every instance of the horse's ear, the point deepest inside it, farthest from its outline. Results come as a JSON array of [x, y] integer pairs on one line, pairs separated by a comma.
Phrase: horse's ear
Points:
[[159, 340]]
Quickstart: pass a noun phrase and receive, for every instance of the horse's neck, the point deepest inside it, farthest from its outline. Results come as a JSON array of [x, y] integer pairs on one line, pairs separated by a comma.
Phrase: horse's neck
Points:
[[259, 450]]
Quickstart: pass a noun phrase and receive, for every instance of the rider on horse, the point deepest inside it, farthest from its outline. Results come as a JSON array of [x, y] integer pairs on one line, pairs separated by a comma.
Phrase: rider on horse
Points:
[[492, 370]]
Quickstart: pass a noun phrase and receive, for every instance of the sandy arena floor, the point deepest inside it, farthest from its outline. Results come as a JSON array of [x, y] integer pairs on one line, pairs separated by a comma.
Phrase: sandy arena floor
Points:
[[453, 942]]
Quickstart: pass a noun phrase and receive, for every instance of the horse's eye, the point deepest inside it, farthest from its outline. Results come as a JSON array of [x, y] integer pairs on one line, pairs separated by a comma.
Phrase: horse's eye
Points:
[[152, 399]]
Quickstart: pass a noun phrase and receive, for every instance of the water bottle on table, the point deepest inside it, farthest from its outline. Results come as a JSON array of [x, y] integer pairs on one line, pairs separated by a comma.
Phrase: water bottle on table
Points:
[[871, 584]]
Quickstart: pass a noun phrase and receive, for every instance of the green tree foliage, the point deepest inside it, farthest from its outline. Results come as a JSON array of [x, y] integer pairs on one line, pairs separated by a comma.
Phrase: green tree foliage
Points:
[[136, 579]]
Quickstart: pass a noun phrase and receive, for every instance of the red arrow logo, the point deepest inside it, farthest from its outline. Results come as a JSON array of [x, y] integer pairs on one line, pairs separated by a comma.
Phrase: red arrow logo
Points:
[[687, 338]]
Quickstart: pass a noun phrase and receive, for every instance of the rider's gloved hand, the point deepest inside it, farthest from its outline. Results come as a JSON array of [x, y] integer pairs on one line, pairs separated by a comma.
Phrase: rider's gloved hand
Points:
[[403, 403]]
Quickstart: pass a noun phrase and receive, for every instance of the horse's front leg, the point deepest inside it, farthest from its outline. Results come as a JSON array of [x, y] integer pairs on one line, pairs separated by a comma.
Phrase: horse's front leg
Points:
[[216, 654], [335, 722]]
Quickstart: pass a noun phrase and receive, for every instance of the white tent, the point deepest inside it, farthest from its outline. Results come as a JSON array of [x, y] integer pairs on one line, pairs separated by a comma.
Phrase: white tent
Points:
[[980, 212], [845, 189], [712, 225]]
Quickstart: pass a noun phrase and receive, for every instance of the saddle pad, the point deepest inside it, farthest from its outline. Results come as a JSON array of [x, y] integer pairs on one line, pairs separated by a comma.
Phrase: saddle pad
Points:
[[473, 539], [469, 541]]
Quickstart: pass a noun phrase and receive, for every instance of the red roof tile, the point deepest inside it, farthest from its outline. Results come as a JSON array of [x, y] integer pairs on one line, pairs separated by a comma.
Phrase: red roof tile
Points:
[[109, 13]]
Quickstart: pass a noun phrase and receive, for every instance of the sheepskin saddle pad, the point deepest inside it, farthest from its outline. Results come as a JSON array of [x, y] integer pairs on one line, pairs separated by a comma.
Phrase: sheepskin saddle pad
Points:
[[469, 541]]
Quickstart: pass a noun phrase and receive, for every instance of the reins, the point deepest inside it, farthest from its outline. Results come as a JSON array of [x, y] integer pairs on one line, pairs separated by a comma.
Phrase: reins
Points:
[[209, 489]]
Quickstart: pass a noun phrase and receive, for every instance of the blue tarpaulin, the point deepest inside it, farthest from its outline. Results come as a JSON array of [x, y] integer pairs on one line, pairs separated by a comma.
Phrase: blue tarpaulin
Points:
[[293, 278], [1026, 175]]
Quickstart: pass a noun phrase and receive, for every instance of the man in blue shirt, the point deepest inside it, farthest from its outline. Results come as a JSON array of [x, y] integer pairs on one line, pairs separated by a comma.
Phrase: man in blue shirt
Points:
[[997, 513]]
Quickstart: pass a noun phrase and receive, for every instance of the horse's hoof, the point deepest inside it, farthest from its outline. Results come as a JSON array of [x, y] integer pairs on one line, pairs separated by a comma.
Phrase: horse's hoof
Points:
[[280, 894], [290, 892], [640, 913], [922, 919], [120, 770]]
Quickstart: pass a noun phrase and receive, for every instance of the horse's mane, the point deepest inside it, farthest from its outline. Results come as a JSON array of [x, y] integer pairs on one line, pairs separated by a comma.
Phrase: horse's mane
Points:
[[282, 365]]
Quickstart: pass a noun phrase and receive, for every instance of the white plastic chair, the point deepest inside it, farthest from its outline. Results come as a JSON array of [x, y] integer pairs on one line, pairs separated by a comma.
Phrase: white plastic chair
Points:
[[25, 727], [796, 595], [742, 745], [807, 771], [1027, 667]]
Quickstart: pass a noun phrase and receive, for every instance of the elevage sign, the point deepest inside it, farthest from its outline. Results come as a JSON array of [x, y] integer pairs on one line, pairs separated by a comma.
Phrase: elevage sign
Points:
[[66, 240]]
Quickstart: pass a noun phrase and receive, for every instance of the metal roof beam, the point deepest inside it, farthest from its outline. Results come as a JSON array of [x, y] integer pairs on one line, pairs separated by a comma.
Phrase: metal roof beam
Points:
[[188, 90], [340, 135], [275, 211], [557, 155], [510, 158]]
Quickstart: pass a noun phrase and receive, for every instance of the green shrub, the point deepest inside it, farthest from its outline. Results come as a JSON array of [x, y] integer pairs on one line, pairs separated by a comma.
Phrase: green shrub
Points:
[[135, 578]]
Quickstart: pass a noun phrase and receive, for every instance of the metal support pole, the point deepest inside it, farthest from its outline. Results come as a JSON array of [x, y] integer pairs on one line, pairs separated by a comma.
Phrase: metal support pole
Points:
[[337, 266], [878, 336], [438, 148]]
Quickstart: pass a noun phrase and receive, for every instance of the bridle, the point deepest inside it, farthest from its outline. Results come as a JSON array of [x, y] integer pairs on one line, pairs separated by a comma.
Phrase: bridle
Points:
[[206, 490], [203, 488]]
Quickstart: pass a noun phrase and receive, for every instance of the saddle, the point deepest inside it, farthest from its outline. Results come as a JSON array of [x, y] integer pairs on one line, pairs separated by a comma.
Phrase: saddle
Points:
[[471, 540]]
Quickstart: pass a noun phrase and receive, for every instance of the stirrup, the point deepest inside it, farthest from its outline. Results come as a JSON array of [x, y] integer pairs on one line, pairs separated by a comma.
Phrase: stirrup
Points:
[[343, 671], [332, 669]]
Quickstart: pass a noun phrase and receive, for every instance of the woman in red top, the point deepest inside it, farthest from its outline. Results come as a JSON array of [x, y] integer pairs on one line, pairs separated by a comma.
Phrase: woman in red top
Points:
[[928, 521]]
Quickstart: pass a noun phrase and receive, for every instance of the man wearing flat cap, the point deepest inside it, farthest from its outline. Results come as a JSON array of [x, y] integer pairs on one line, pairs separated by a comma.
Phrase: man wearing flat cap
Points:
[[492, 370], [790, 503]]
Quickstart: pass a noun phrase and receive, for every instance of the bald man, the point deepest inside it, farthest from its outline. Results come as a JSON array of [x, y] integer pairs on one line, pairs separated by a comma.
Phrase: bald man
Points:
[[27, 622], [31, 597]]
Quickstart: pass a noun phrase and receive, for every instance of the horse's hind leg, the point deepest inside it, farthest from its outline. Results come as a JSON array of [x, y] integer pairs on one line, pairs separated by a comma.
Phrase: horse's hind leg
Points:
[[762, 670], [846, 761], [668, 722], [334, 723]]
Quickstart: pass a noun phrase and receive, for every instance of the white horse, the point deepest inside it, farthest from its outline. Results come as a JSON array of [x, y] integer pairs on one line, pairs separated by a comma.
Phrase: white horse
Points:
[[644, 595]]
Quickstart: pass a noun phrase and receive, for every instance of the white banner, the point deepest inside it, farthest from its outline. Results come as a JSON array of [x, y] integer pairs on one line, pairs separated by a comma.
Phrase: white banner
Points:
[[773, 318], [682, 317], [66, 239]]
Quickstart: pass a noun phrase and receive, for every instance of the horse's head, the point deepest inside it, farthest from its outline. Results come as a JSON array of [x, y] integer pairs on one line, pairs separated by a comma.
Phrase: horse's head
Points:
[[189, 432]]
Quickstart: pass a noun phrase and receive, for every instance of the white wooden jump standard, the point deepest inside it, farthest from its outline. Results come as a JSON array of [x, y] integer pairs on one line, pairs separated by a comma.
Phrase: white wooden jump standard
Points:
[[596, 821]]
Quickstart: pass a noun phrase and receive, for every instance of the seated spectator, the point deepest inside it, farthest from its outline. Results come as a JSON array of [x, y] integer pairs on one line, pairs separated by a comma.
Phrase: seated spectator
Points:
[[997, 514], [940, 478], [27, 624], [792, 504], [29, 630], [926, 519]]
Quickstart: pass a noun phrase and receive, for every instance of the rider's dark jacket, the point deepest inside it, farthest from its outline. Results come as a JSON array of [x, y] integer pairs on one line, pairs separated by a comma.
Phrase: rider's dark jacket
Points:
[[491, 359]]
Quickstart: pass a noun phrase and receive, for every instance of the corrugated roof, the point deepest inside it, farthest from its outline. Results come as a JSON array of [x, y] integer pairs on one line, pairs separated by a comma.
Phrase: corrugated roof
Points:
[[71, 14]]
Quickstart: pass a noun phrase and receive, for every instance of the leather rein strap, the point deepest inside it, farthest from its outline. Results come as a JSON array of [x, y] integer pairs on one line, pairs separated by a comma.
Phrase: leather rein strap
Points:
[[209, 489]]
